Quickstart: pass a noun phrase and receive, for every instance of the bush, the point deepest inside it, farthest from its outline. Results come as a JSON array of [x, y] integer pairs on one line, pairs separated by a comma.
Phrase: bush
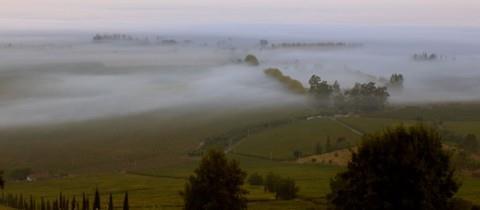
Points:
[[251, 60], [255, 179], [284, 188], [400, 168]]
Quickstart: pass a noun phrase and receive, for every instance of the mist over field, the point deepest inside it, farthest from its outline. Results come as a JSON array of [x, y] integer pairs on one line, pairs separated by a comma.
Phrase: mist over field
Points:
[[53, 76]]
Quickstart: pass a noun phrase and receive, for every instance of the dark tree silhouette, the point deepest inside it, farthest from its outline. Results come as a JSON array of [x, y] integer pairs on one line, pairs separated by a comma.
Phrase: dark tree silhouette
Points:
[[216, 184], [96, 200], [110, 202], [2, 182], [400, 168], [126, 206]]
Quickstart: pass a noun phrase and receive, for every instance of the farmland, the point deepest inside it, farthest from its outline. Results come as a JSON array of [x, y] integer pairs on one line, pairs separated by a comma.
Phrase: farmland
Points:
[[149, 158]]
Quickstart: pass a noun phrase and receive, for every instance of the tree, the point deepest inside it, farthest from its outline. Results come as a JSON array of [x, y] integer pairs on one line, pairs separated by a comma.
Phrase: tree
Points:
[[126, 205], [110, 202], [2, 182], [270, 182], [318, 149], [318, 88], [96, 200], [255, 179], [396, 81], [400, 168], [216, 184], [328, 145], [297, 154], [286, 189], [251, 60], [367, 97]]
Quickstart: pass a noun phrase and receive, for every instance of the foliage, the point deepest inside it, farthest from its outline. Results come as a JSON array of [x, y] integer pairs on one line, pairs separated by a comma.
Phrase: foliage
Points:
[[396, 81], [367, 97], [255, 179], [216, 184], [320, 89], [284, 188], [401, 168], [292, 84], [251, 60]]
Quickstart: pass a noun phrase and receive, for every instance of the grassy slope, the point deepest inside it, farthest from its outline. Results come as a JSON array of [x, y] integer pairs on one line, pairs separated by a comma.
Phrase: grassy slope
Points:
[[280, 142], [162, 146], [122, 143]]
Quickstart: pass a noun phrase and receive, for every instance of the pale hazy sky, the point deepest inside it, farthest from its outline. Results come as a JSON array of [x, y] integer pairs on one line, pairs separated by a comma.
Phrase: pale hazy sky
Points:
[[94, 14]]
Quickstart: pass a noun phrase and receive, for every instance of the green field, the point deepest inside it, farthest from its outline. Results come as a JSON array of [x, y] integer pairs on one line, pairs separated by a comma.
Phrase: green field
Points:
[[147, 154], [280, 142]]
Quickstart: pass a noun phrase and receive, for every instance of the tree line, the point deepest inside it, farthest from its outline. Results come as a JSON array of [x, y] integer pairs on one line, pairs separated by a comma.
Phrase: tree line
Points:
[[62, 202]]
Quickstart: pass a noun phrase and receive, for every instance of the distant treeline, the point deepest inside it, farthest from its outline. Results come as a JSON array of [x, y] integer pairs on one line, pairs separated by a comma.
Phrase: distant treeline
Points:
[[62, 202], [425, 56], [313, 44], [145, 39]]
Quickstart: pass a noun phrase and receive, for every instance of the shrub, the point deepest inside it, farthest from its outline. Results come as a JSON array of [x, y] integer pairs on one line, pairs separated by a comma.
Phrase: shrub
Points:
[[251, 60]]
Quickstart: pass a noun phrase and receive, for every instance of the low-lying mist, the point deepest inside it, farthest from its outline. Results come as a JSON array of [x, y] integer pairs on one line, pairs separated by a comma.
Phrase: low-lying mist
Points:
[[54, 79]]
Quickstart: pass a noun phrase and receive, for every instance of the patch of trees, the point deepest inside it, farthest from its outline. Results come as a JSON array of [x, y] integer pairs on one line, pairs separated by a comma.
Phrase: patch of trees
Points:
[[291, 84], [251, 60], [363, 97], [112, 37], [313, 44], [400, 168], [62, 202], [263, 43], [396, 82], [284, 188], [425, 56], [216, 184]]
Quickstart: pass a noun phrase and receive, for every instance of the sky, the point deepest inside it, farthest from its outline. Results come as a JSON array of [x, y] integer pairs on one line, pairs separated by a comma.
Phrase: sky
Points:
[[118, 14]]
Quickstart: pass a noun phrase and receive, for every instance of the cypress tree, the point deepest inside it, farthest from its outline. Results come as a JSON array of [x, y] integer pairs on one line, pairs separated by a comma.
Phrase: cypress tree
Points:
[[110, 202], [42, 204], [32, 205], [84, 202], [73, 203], [96, 201], [21, 202], [125, 202]]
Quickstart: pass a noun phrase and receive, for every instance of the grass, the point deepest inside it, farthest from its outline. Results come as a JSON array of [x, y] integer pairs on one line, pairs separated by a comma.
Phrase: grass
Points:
[[280, 142], [155, 145]]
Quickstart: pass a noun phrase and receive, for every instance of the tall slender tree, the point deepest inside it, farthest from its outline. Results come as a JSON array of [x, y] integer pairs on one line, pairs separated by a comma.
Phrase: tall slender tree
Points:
[[110, 202], [96, 201], [125, 202]]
